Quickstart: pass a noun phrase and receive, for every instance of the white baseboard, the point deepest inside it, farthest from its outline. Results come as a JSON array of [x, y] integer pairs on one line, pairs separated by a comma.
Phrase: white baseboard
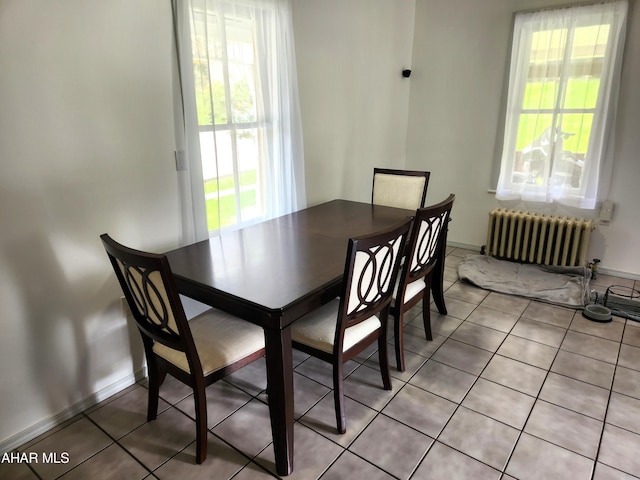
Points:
[[48, 423], [475, 248], [617, 273]]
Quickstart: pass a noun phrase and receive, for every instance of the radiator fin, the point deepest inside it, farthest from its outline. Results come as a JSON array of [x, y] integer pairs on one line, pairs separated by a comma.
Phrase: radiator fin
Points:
[[538, 238]]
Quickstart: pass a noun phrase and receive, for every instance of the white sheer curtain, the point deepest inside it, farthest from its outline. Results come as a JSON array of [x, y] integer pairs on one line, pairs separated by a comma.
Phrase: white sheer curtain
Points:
[[561, 104], [238, 117]]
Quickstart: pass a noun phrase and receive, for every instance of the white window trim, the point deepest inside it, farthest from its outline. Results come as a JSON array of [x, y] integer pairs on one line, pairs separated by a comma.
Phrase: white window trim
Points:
[[597, 185]]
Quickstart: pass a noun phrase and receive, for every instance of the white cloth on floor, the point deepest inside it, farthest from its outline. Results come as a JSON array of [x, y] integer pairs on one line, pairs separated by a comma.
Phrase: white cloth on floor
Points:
[[566, 286]]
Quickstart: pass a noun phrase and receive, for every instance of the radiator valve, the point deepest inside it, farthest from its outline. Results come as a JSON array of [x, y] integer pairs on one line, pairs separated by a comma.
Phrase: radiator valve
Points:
[[594, 267]]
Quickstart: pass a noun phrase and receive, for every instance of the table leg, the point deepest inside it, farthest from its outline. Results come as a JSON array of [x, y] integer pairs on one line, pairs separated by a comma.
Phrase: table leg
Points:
[[280, 394]]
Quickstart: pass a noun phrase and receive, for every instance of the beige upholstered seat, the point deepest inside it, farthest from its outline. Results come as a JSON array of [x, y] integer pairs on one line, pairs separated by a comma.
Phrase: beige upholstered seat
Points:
[[399, 188], [345, 326], [414, 282], [318, 329], [221, 340], [411, 290], [197, 352]]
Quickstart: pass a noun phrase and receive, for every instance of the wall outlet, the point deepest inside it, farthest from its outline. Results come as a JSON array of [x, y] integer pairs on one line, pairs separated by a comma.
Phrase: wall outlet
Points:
[[181, 160], [606, 212]]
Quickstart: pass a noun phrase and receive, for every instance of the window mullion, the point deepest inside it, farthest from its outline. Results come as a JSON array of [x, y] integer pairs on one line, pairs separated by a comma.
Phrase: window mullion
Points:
[[230, 121], [556, 121]]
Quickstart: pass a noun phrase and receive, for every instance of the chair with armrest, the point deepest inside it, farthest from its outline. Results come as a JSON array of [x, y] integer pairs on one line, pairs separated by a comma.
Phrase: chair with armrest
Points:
[[197, 352], [345, 326], [399, 188], [426, 243]]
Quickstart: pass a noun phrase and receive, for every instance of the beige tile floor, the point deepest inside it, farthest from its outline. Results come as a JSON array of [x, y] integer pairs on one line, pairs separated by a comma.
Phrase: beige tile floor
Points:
[[508, 388]]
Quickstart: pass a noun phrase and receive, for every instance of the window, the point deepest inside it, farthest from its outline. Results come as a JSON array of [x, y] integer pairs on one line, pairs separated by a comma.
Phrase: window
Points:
[[239, 77], [224, 62], [561, 103]]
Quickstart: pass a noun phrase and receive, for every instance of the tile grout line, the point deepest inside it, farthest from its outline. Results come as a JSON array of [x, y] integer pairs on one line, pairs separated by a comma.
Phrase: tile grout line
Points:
[[537, 397], [606, 413], [115, 442], [502, 470], [458, 405]]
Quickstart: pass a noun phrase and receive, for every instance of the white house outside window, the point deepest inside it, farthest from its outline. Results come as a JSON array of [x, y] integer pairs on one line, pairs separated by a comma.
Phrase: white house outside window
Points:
[[563, 86]]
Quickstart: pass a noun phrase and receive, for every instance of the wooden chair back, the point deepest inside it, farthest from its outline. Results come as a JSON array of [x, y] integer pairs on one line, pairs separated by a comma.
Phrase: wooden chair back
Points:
[[425, 249], [371, 270], [149, 289], [426, 241]]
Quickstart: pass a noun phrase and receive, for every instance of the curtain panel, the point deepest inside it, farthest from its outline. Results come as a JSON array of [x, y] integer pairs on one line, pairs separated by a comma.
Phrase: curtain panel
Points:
[[237, 114], [561, 104]]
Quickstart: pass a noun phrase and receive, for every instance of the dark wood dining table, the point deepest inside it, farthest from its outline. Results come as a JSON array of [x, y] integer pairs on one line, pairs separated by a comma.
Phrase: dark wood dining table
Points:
[[273, 273]]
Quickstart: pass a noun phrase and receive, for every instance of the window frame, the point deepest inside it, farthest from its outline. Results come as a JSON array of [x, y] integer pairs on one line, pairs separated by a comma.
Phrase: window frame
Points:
[[521, 52]]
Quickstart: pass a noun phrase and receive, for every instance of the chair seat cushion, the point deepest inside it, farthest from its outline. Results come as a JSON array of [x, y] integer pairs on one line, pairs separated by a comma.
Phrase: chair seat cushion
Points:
[[318, 328], [413, 289], [220, 338]]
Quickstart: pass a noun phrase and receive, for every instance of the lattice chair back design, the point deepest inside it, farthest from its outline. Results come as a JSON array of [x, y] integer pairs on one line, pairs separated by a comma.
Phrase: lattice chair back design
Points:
[[342, 328], [197, 352], [399, 188], [414, 282]]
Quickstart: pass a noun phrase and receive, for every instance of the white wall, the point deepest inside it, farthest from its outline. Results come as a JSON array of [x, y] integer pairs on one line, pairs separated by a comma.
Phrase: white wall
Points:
[[86, 147], [460, 50], [459, 60], [354, 100], [617, 244]]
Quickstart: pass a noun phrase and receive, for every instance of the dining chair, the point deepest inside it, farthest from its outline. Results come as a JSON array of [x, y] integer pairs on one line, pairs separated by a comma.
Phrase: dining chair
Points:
[[197, 352], [424, 250], [399, 188], [345, 326]]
